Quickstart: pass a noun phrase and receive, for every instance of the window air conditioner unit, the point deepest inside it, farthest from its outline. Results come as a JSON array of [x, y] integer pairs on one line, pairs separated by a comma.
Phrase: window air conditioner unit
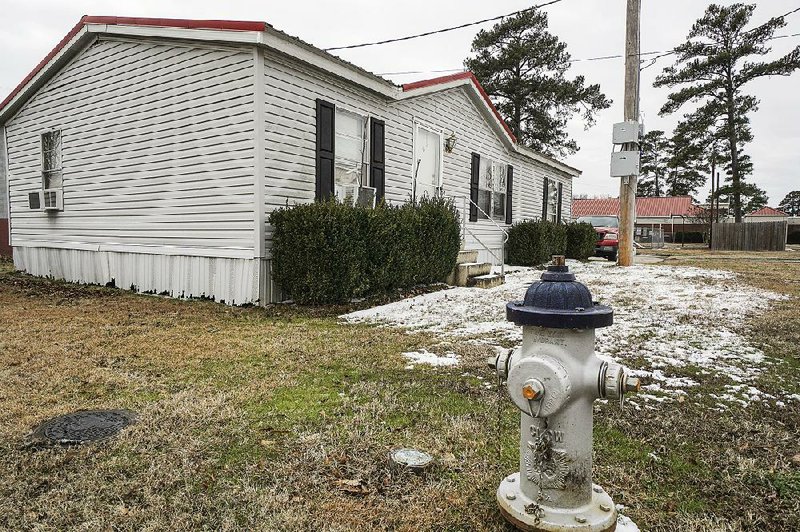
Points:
[[53, 200], [366, 197], [35, 200]]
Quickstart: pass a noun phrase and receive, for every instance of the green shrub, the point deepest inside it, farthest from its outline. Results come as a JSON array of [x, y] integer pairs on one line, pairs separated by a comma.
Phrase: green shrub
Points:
[[328, 252], [532, 243], [581, 241]]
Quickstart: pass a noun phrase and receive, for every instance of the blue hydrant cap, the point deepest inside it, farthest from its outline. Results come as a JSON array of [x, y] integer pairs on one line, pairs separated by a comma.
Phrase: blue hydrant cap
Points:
[[558, 301]]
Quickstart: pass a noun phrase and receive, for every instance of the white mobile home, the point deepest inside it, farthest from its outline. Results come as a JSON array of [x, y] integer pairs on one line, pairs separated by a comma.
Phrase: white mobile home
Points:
[[150, 152]]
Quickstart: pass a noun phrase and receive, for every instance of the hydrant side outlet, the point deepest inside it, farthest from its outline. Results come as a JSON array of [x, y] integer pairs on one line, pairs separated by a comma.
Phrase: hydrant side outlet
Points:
[[553, 378]]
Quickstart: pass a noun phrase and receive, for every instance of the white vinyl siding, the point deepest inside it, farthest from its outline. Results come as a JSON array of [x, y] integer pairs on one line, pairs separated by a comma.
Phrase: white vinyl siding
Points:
[[290, 94], [157, 150], [3, 177]]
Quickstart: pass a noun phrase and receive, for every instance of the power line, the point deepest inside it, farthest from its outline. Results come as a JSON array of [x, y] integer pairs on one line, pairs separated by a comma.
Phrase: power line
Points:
[[443, 30], [658, 53]]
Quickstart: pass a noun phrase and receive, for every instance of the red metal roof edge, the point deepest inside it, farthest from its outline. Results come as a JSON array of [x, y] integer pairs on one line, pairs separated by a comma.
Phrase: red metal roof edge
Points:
[[232, 25], [645, 206], [768, 211], [455, 77]]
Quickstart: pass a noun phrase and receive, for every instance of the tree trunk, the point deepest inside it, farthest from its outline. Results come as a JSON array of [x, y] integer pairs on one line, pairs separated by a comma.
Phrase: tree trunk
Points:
[[733, 141]]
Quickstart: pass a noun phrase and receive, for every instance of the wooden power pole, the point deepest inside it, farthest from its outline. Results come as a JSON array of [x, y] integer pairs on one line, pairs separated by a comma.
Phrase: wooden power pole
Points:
[[627, 188]]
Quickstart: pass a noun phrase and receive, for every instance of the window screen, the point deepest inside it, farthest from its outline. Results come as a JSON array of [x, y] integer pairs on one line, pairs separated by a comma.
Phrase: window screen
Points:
[[51, 160], [492, 189], [349, 154]]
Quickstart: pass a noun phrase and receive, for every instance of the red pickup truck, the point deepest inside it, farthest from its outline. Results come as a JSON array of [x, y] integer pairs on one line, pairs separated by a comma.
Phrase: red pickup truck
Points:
[[607, 228]]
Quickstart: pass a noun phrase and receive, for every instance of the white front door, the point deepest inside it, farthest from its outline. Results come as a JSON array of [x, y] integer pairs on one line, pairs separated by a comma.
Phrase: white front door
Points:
[[427, 163]]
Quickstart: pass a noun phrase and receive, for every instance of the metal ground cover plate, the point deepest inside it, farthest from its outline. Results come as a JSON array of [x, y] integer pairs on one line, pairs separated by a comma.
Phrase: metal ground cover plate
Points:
[[412, 459], [84, 426]]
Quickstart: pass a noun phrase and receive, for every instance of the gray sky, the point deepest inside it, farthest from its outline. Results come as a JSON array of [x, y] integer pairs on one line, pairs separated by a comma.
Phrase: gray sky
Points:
[[591, 28]]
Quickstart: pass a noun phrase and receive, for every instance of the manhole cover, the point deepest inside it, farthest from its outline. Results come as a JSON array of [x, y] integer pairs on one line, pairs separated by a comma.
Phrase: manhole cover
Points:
[[84, 426]]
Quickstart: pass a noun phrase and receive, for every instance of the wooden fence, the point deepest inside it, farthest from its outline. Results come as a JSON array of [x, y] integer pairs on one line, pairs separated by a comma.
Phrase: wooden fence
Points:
[[749, 236]]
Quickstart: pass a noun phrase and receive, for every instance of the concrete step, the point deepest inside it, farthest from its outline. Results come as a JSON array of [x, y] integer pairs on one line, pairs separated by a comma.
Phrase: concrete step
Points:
[[486, 281], [463, 272], [467, 255]]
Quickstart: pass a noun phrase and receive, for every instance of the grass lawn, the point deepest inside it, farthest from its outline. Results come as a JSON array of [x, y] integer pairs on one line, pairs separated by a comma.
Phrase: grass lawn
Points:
[[282, 419]]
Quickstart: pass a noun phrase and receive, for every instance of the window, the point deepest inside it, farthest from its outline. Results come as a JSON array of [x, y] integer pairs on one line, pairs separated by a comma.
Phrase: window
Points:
[[428, 164], [348, 166], [51, 160], [492, 189], [552, 200]]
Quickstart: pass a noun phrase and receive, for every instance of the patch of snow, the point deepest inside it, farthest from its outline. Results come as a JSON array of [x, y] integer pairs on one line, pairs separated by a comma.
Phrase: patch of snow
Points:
[[665, 316], [624, 524], [424, 356]]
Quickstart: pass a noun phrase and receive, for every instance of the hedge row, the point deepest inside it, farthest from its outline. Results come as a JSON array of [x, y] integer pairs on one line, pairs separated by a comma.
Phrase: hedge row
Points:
[[329, 252], [532, 243]]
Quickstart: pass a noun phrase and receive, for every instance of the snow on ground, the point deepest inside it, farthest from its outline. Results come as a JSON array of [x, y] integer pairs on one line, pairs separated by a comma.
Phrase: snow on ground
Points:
[[665, 318], [423, 356]]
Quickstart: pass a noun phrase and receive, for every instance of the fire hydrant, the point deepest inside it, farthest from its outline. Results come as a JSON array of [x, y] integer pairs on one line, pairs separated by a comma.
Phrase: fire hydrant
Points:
[[553, 378]]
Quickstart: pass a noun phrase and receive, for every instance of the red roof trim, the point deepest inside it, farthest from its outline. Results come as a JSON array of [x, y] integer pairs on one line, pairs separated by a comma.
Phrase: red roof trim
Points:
[[455, 77], [646, 207], [232, 25], [436, 81], [767, 211]]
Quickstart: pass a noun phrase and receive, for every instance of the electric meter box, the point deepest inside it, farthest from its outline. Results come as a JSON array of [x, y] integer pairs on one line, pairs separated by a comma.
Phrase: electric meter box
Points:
[[626, 132], [624, 163]]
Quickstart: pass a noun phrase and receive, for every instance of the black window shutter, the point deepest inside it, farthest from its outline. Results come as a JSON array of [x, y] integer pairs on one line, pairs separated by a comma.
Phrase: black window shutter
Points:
[[560, 190], [509, 194], [544, 199], [473, 187], [377, 158], [326, 128]]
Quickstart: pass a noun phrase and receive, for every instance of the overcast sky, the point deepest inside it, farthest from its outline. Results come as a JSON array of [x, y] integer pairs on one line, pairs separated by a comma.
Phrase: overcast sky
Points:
[[591, 28]]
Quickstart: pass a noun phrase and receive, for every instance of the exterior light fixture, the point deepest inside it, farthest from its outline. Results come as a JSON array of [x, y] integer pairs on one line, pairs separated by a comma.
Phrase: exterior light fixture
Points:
[[450, 143]]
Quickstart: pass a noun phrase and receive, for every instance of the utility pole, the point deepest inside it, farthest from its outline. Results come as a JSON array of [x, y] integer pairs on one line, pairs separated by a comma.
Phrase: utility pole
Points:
[[627, 188], [711, 203]]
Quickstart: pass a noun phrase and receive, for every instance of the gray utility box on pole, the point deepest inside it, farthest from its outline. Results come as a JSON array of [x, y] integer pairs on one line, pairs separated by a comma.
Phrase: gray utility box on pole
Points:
[[626, 163], [554, 379], [626, 132]]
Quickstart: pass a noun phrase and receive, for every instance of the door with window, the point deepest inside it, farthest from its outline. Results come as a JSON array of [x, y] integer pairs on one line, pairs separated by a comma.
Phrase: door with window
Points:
[[427, 163]]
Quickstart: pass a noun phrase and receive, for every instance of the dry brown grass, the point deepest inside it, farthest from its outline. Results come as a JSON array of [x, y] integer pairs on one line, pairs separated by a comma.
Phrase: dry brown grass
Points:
[[249, 418]]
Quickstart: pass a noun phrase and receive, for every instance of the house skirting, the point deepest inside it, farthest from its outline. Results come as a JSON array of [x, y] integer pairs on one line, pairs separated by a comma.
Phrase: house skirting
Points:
[[234, 281], [5, 248]]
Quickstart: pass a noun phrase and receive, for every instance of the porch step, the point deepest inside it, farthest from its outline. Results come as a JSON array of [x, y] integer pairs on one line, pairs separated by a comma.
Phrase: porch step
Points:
[[462, 272], [486, 281], [466, 256]]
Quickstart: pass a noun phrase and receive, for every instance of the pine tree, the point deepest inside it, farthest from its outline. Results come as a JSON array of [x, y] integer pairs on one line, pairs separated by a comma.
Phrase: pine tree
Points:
[[523, 68], [712, 68], [686, 161], [791, 203], [655, 148]]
